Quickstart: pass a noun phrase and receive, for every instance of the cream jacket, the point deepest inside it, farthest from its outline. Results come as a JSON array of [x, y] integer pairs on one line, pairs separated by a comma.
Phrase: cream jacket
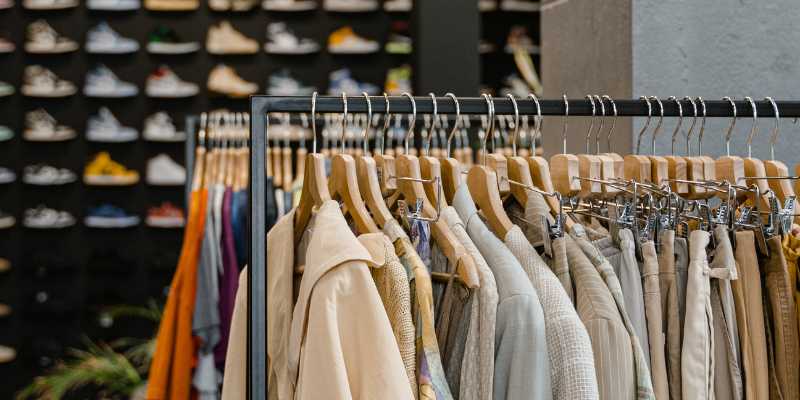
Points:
[[337, 343]]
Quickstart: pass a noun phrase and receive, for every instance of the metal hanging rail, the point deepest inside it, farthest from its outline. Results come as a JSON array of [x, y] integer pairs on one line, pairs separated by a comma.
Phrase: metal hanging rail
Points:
[[260, 106]]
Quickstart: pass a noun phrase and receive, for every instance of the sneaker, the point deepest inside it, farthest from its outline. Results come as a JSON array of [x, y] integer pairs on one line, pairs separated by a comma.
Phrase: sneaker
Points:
[[7, 354], [49, 4], [225, 39], [102, 82], [42, 127], [103, 171], [164, 83], [397, 6], [6, 4], [107, 216], [104, 127], [224, 80], [163, 171], [6, 46], [167, 215], [289, 5], [342, 81], [41, 82], [399, 41], [487, 5], [113, 5], [43, 39], [7, 176], [6, 220], [102, 39], [231, 5], [516, 86], [46, 175], [486, 47], [345, 41], [159, 128], [165, 40], [6, 89], [5, 265], [281, 83], [171, 5], [42, 217], [6, 133], [518, 38], [351, 5], [281, 40], [520, 5]]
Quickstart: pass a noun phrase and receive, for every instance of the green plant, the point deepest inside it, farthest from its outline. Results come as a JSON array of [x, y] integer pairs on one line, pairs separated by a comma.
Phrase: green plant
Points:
[[116, 370]]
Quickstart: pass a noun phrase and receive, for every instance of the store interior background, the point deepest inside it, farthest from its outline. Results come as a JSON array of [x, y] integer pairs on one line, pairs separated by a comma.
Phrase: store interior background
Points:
[[623, 48]]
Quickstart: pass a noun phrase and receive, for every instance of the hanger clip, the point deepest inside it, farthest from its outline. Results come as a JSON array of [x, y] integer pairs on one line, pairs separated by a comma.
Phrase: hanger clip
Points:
[[787, 214]]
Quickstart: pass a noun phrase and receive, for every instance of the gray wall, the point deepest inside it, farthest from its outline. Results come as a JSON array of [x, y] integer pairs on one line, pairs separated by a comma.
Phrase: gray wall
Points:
[[716, 48]]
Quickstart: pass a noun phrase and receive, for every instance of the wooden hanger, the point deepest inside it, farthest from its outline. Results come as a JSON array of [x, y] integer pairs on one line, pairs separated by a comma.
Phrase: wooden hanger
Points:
[[730, 168], [782, 187], [659, 168], [754, 167], [617, 160], [344, 183], [677, 165], [538, 167], [563, 167], [638, 167], [315, 183], [429, 165], [695, 166], [410, 186], [482, 183], [368, 174], [518, 170], [590, 166], [384, 161], [450, 166], [701, 167], [199, 155]]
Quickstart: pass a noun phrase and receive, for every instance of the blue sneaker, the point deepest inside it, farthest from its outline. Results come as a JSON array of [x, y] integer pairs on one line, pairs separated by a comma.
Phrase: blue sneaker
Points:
[[107, 216], [343, 81]]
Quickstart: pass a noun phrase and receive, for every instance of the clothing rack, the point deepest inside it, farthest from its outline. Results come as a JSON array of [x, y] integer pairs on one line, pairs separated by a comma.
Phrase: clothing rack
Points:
[[260, 106]]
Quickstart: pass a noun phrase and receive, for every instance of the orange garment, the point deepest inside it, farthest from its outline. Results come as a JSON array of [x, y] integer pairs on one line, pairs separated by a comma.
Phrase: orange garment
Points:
[[171, 368]]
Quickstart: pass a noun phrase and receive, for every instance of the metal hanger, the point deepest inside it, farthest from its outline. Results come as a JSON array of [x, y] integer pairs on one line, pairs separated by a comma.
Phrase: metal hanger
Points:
[[777, 172], [483, 184], [608, 170], [590, 165], [451, 168], [754, 168], [637, 167], [519, 175], [695, 165], [564, 166], [315, 183], [495, 160], [385, 163], [619, 162], [659, 167], [537, 165], [730, 168]]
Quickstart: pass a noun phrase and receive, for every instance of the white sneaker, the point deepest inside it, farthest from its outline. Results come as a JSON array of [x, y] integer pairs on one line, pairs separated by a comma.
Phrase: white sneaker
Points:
[[224, 39], [46, 175], [351, 5], [345, 41], [163, 171], [102, 39], [164, 83], [224, 80], [6, 46], [520, 5], [159, 128], [49, 4], [397, 6], [102, 82], [280, 40], [113, 5], [7, 176], [43, 39], [6, 221], [6, 89], [41, 82], [232, 5], [104, 127], [289, 5], [281, 83], [487, 5], [47, 218], [42, 127]]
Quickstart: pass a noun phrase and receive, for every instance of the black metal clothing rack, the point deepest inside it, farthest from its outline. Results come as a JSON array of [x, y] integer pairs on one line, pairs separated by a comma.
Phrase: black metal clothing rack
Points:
[[260, 106]]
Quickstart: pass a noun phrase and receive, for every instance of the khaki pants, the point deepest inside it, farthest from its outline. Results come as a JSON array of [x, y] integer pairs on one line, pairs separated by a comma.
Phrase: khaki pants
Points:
[[670, 316], [697, 373]]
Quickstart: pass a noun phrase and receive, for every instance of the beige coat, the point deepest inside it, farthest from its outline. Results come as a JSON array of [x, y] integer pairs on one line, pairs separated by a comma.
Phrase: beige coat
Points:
[[340, 343]]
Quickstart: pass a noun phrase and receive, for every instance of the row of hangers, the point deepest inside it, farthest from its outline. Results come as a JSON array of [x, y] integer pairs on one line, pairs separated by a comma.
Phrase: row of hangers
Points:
[[643, 192], [222, 154]]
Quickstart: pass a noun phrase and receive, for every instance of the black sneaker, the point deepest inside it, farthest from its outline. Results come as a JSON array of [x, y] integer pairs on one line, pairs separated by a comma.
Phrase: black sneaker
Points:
[[164, 40]]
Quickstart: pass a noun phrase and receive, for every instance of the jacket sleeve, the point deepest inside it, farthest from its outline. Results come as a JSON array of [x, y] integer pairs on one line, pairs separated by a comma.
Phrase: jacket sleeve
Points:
[[349, 350], [235, 379]]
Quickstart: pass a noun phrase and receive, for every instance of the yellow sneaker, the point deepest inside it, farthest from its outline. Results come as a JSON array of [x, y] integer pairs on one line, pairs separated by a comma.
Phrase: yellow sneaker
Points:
[[171, 5], [103, 171], [345, 41]]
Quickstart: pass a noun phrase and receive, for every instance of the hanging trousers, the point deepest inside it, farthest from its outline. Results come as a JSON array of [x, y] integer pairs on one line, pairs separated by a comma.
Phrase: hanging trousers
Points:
[[652, 304], [670, 316], [697, 372]]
